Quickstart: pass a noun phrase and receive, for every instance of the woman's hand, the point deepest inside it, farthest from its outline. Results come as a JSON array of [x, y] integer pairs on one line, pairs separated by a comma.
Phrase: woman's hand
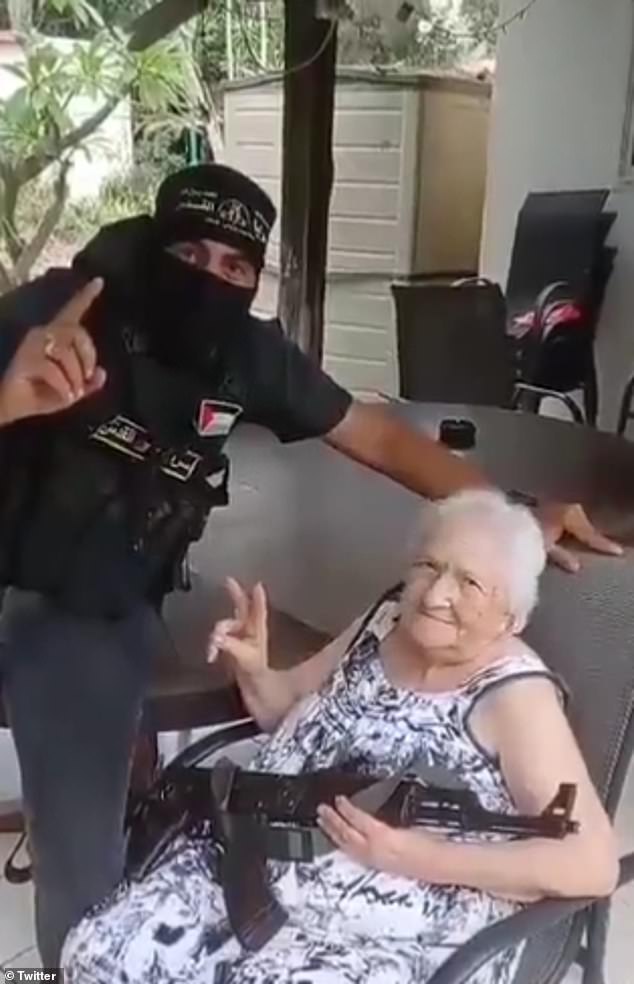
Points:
[[373, 843], [55, 365], [558, 520], [245, 636]]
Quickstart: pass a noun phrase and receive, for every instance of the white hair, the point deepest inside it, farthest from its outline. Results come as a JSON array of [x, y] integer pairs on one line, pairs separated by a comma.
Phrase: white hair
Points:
[[513, 527]]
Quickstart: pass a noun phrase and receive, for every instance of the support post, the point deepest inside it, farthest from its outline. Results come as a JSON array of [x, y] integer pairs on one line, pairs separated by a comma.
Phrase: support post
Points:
[[307, 172]]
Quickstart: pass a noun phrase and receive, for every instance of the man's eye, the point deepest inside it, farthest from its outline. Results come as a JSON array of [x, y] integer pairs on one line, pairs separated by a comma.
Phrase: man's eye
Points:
[[185, 253]]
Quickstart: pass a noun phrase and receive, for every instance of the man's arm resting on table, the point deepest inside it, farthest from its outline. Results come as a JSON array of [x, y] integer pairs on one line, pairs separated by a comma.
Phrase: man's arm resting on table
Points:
[[373, 436]]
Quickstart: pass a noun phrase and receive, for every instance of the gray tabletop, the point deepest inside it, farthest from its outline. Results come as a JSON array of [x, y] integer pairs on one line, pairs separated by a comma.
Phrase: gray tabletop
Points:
[[326, 535]]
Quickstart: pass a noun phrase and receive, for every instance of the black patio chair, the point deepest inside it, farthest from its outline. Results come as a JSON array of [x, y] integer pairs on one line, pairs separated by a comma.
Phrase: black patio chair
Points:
[[584, 629], [560, 239], [452, 343], [453, 347], [555, 361], [559, 235]]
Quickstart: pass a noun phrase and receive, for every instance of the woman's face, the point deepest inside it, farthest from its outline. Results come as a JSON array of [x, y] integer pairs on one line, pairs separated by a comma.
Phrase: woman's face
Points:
[[455, 602]]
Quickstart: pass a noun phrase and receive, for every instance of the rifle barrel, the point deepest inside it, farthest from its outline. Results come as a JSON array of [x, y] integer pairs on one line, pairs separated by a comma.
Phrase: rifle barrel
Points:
[[440, 815]]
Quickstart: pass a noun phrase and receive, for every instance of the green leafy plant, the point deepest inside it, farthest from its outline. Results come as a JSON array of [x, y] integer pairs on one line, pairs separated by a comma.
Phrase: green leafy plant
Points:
[[482, 18], [37, 130]]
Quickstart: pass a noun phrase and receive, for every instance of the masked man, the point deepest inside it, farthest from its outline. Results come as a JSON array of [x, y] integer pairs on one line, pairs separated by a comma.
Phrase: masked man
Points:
[[100, 501]]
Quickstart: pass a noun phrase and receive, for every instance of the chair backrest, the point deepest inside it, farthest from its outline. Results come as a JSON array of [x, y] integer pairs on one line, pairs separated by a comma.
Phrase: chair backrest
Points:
[[452, 343], [559, 236], [584, 629]]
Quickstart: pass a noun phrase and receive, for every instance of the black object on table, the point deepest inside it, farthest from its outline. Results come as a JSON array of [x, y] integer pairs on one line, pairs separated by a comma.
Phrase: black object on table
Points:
[[458, 435]]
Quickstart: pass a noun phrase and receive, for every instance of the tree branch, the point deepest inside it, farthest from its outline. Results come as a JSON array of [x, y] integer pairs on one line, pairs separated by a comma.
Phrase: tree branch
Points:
[[51, 151], [10, 189], [20, 15], [6, 283], [51, 217], [160, 20], [144, 31]]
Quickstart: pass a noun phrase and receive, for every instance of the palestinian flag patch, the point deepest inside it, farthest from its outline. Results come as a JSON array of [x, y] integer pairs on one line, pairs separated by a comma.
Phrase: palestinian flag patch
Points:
[[215, 418]]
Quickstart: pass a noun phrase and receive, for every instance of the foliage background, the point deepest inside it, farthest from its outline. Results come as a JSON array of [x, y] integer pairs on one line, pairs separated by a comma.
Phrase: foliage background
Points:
[[175, 91]]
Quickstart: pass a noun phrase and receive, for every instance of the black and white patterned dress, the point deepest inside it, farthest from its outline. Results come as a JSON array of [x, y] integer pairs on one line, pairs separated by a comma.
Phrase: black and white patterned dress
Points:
[[347, 924]]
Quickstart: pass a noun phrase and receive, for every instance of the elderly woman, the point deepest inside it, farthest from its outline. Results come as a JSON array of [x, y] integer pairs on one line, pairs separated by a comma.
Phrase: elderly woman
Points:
[[437, 671]]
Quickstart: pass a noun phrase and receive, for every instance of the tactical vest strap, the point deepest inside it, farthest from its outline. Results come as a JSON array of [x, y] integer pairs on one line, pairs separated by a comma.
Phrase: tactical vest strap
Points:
[[101, 515]]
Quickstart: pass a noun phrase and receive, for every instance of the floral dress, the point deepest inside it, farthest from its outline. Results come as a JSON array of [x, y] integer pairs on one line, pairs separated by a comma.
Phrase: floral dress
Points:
[[347, 924]]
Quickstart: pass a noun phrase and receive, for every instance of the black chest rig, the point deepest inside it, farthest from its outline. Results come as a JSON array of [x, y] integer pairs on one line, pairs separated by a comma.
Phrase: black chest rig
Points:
[[106, 498]]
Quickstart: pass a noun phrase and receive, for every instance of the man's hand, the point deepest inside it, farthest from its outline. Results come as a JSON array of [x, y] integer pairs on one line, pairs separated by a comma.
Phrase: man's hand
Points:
[[372, 843], [376, 438], [55, 365], [558, 520]]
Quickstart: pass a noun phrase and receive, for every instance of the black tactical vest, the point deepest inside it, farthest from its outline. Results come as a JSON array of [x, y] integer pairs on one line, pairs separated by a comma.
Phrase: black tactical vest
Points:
[[99, 504]]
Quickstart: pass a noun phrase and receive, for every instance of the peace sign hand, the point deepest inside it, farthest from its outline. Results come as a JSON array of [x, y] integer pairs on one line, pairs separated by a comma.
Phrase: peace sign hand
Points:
[[245, 636], [55, 365]]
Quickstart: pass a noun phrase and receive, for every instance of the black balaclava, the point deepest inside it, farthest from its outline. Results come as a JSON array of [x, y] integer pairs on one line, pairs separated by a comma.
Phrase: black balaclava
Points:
[[190, 311]]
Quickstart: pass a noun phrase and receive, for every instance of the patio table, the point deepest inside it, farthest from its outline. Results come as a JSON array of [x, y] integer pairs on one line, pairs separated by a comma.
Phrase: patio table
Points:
[[327, 536]]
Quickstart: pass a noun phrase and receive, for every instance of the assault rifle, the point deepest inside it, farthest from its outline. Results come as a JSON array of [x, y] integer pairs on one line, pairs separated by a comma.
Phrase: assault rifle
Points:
[[253, 817]]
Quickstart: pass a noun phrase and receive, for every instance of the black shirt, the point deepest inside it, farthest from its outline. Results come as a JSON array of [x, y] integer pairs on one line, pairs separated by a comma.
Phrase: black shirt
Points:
[[277, 385], [285, 391]]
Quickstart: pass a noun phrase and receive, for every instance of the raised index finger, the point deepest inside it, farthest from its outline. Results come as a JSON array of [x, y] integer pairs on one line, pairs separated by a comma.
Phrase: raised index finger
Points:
[[73, 311]]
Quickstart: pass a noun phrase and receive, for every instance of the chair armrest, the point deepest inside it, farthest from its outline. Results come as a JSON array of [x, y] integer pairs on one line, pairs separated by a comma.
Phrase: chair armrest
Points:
[[378, 396], [543, 300], [466, 961], [536, 918], [215, 742], [568, 402]]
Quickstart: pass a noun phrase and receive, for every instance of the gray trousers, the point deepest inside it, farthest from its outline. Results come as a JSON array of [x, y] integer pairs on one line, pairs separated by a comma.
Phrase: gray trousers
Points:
[[73, 688]]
